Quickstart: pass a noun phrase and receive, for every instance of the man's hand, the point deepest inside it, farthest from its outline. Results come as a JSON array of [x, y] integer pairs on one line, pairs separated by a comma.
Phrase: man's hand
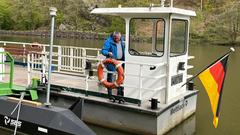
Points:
[[110, 54]]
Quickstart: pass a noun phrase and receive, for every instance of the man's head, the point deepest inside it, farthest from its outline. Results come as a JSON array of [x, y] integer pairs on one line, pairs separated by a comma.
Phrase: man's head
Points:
[[116, 36]]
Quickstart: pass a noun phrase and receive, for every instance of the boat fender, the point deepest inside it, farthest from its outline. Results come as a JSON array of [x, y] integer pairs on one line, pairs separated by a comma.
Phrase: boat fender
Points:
[[119, 70]]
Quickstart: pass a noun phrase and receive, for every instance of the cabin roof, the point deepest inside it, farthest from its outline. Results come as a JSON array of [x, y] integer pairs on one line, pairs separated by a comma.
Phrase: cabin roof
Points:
[[142, 11]]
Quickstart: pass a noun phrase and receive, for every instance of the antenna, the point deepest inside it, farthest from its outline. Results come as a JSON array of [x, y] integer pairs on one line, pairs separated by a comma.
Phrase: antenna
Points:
[[171, 4], [162, 3], [53, 14]]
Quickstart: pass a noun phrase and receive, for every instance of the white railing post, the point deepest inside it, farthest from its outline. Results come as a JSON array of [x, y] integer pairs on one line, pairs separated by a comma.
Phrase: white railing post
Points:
[[34, 61], [98, 54], [2, 60], [84, 55], [74, 59], [71, 59], [29, 70], [38, 60], [44, 49], [140, 83], [86, 83], [24, 53], [77, 60], [59, 58], [3, 65], [43, 74], [31, 59]]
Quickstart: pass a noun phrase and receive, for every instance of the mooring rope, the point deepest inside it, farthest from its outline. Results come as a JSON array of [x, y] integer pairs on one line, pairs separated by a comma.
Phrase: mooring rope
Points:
[[18, 114]]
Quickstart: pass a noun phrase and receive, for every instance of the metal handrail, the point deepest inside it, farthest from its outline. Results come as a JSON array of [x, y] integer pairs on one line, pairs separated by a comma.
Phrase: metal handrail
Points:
[[142, 76], [8, 55], [149, 89], [150, 77], [59, 52], [61, 56]]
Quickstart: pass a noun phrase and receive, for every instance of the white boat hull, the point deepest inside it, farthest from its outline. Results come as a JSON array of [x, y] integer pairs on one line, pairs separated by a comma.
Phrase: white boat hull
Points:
[[141, 121]]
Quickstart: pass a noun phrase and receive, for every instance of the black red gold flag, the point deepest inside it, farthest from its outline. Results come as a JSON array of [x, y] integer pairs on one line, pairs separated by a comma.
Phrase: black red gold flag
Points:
[[212, 79]]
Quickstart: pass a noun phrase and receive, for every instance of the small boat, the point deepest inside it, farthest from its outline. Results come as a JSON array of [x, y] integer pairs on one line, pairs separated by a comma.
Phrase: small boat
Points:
[[156, 96]]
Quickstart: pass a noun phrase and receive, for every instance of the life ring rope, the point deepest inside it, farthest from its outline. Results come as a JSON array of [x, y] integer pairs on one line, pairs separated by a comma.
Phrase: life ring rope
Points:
[[118, 65], [103, 66], [118, 68], [102, 80]]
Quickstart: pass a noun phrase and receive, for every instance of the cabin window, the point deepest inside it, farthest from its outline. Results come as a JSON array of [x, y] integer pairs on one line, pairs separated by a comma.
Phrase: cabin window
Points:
[[146, 37], [178, 37]]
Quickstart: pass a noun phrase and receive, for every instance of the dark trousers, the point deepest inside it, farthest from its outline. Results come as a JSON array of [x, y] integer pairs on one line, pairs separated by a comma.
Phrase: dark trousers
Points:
[[120, 91]]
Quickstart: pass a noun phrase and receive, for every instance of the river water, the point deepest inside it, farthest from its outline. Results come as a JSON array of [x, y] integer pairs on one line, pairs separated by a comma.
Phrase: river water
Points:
[[201, 122]]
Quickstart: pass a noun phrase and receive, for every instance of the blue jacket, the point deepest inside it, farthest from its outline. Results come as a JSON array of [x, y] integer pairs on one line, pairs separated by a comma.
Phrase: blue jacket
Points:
[[111, 46]]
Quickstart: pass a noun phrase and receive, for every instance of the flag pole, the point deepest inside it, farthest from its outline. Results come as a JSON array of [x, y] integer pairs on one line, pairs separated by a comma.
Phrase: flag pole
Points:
[[224, 56]]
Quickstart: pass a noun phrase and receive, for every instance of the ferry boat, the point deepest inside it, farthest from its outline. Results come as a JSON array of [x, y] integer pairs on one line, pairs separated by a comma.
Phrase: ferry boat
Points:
[[156, 96]]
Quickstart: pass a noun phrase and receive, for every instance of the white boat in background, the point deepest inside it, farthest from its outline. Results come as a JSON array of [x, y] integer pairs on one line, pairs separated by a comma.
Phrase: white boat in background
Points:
[[156, 98]]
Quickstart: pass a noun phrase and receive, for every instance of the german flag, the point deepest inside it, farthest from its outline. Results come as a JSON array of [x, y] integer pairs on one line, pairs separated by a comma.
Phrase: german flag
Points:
[[212, 79]]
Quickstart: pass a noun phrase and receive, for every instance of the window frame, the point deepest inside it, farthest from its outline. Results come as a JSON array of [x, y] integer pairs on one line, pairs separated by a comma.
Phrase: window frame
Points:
[[164, 26], [155, 46], [186, 37]]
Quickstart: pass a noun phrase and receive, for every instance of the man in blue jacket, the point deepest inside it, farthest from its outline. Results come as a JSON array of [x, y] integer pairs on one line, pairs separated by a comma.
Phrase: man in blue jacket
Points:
[[114, 48]]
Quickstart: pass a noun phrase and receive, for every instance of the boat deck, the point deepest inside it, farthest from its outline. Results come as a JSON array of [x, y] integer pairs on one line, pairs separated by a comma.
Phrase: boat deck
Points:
[[78, 83], [67, 80], [59, 79]]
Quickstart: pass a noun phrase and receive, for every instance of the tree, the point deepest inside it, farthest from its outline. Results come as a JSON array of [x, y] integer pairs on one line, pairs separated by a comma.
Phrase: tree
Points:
[[27, 14], [231, 21], [5, 20], [224, 25]]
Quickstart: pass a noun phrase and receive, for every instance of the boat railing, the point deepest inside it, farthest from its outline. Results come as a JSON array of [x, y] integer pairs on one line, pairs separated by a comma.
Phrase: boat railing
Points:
[[190, 66], [34, 63], [20, 50], [72, 60], [6, 59], [65, 58], [38, 61], [141, 77]]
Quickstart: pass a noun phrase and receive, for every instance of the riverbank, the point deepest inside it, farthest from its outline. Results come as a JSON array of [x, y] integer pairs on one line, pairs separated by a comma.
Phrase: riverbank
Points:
[[67, 34], [194, 39], [199, 40], [70, 34], [59, 34]]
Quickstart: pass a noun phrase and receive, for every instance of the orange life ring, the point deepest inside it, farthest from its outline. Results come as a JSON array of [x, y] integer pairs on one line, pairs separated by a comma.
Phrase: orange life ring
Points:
[[119, 69]]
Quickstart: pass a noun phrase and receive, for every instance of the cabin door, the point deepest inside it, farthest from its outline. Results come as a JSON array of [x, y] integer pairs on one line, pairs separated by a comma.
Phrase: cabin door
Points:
[[145, 68], [178, 58]]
